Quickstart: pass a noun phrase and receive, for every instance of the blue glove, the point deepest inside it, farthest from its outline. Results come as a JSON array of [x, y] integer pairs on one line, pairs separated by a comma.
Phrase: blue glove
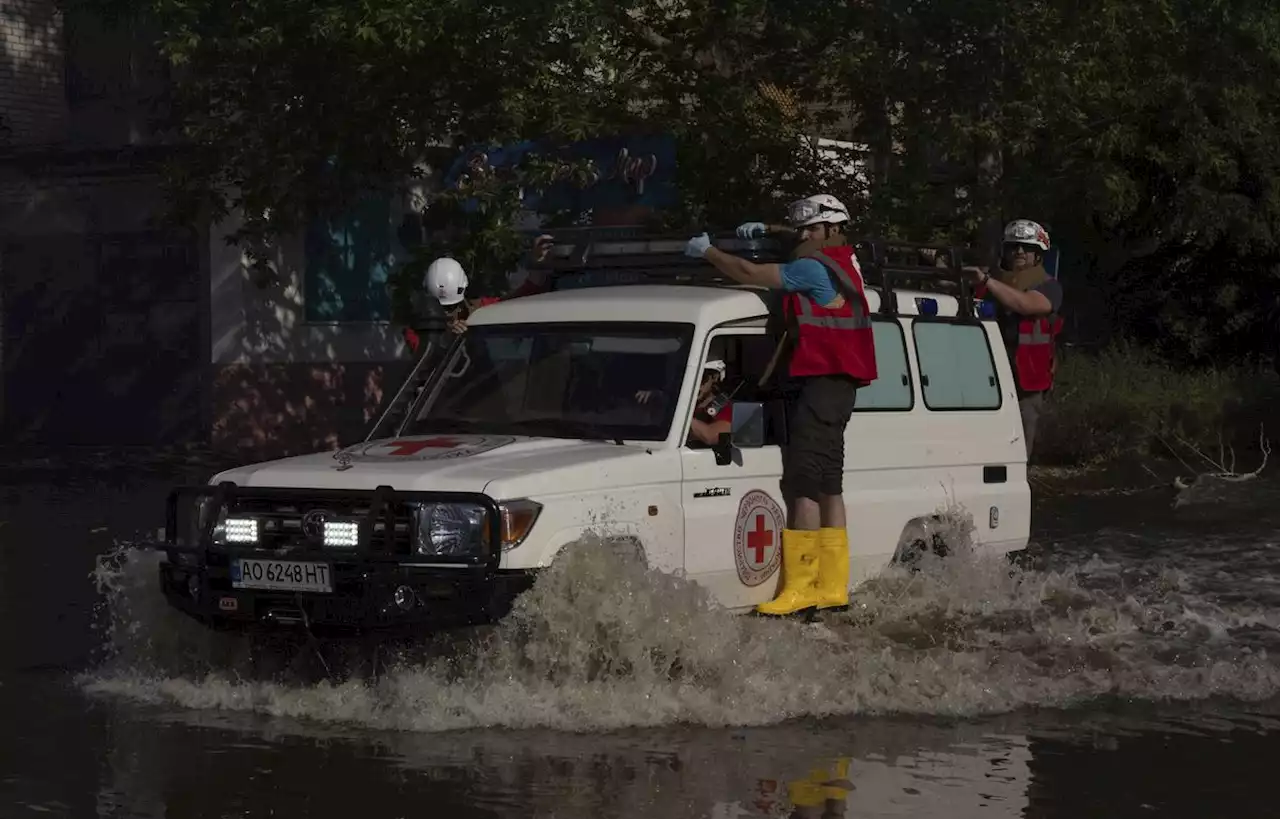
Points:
[[751, 230], [698, 246]]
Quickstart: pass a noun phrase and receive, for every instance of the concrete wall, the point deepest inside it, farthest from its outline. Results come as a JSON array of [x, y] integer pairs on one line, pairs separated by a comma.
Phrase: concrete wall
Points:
[[32, 93]]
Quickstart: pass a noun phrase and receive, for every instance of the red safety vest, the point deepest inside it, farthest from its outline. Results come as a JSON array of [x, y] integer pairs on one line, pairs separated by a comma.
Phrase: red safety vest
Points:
[[837, 340], [1034, 359]]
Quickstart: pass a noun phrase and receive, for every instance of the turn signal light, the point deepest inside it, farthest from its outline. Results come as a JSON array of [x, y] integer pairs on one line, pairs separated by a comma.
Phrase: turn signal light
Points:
[[518, 517]]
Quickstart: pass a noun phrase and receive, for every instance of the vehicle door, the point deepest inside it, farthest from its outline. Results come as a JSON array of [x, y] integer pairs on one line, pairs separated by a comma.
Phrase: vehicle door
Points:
[[734, 513]]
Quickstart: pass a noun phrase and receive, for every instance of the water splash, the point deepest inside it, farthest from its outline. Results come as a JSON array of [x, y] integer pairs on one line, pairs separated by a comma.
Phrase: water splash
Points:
[[602, 642]]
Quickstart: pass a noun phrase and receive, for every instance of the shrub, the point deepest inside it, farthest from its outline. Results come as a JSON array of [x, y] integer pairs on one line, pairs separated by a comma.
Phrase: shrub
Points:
[[1127, 401]]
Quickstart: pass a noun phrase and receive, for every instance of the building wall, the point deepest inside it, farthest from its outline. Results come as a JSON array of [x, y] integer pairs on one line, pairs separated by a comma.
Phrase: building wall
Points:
[[284, 381], [103, 310], [33, 105]]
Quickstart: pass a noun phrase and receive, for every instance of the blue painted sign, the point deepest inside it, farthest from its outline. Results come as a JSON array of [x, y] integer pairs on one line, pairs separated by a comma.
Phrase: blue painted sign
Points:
[[628, 172]]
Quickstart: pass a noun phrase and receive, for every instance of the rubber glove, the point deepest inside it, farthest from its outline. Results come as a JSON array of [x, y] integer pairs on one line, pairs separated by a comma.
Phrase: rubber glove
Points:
[[698, 246], [751, 230]]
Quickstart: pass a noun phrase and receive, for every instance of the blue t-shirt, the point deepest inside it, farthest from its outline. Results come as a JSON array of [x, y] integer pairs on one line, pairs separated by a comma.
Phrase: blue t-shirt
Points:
[[809, 276]]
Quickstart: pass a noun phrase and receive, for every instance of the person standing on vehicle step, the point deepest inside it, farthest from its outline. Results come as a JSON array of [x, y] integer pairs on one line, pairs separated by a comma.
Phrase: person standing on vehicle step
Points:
[[1028, 302], [831, 350], [447, 282]]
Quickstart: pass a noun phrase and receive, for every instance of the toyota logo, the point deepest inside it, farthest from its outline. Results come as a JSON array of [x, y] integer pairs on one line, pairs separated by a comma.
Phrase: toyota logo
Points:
[[313, 523]]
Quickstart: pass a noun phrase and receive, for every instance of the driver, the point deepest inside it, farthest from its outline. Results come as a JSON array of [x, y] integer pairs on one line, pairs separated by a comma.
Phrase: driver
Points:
[[712, 411]]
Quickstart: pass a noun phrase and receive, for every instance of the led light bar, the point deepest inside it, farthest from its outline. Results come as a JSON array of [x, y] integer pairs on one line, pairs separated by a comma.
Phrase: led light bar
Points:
[[341, 534], [241, 530]]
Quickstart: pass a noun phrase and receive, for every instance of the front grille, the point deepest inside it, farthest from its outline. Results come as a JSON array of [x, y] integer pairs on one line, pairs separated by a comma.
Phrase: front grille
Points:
[[280, 522]]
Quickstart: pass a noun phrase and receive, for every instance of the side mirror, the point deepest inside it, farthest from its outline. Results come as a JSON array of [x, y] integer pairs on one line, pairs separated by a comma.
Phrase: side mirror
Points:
[[747, 430]]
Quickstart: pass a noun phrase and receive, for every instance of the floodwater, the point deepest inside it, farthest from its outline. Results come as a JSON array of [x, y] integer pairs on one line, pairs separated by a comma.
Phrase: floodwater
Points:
[[1128, 669]]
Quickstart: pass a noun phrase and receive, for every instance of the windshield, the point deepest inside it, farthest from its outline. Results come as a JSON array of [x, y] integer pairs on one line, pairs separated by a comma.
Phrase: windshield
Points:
[[580, 380]]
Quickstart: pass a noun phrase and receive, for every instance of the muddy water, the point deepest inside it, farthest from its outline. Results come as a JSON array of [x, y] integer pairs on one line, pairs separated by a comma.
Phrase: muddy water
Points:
[[1128, 669]]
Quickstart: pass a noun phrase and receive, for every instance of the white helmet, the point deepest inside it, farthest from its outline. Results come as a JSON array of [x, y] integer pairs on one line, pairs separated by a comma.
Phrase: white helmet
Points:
[[446, 280], [715, 365], [811, 210], [1026, 232]]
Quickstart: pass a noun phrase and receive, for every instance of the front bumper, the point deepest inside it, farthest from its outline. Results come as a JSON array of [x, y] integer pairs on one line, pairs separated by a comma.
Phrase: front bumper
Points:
[[376, 587], [366, 597]]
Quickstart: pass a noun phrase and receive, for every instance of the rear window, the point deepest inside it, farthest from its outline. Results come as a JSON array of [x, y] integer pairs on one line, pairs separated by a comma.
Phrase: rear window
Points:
[[957, 369]]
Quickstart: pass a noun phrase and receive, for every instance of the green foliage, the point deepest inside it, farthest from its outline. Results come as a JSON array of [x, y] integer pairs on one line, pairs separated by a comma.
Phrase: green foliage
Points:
[[1145, 133], [1127, 401]]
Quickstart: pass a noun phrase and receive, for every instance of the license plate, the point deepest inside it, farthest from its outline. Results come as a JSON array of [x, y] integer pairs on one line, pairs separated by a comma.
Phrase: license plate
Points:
[[280, 575]]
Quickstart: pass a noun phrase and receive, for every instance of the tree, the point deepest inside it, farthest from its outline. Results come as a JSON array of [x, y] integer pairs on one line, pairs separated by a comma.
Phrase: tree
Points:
[[291, 109]]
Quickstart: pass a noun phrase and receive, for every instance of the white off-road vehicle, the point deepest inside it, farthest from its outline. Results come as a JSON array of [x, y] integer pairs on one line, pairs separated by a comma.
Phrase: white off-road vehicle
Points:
[[525, 434]]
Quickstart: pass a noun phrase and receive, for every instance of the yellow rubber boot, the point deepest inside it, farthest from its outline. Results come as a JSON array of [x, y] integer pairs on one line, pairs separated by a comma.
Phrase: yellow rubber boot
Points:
[[807, 792], [833, 568], [799, 574], [838, 786]]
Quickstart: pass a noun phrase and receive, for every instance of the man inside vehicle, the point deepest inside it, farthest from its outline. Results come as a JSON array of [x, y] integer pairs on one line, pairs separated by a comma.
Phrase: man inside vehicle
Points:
[[712, 413], [830, 349], [447, 282], [1028, 302]]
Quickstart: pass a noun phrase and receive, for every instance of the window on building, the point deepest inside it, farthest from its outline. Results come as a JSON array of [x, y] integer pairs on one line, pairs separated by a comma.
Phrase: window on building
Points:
[[957, 370], [349, 258]]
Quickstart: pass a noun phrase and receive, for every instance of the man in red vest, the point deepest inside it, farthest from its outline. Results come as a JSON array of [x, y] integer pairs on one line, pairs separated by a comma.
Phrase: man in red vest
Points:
[[831, 350], [1028, 302]]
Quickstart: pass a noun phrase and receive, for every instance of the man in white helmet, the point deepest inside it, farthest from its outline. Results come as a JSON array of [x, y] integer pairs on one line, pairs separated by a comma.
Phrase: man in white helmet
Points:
[[830, 354], [446, 281], [1028, 302]]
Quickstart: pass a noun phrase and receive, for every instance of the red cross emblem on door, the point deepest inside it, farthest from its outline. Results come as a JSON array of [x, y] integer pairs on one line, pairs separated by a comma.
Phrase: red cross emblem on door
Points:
[[757, 536], [759, 539]]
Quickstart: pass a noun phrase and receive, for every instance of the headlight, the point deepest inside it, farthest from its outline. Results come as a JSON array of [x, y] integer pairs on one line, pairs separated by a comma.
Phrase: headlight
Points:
[[463, 529], [449, 529]]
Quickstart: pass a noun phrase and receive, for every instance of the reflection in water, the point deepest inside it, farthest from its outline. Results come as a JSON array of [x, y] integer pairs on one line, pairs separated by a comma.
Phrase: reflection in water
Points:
[[159, 764], [1126, 763]]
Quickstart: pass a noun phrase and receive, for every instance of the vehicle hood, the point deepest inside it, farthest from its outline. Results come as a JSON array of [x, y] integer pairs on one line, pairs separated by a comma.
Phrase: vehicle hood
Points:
[[504, 466]]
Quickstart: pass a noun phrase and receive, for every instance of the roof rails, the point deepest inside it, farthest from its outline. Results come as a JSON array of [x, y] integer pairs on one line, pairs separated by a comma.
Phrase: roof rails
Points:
[[628, 255], [889, 264], [596, 257]]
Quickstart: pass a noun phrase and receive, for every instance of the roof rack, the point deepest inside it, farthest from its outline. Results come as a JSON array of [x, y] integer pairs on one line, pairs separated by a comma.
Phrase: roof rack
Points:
[[596, 257], [888, 264], [628, 255]]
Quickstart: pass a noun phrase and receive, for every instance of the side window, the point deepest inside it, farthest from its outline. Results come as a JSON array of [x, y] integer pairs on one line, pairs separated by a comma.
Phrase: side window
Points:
[[746, 356], [892, 388], [957, 371]]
